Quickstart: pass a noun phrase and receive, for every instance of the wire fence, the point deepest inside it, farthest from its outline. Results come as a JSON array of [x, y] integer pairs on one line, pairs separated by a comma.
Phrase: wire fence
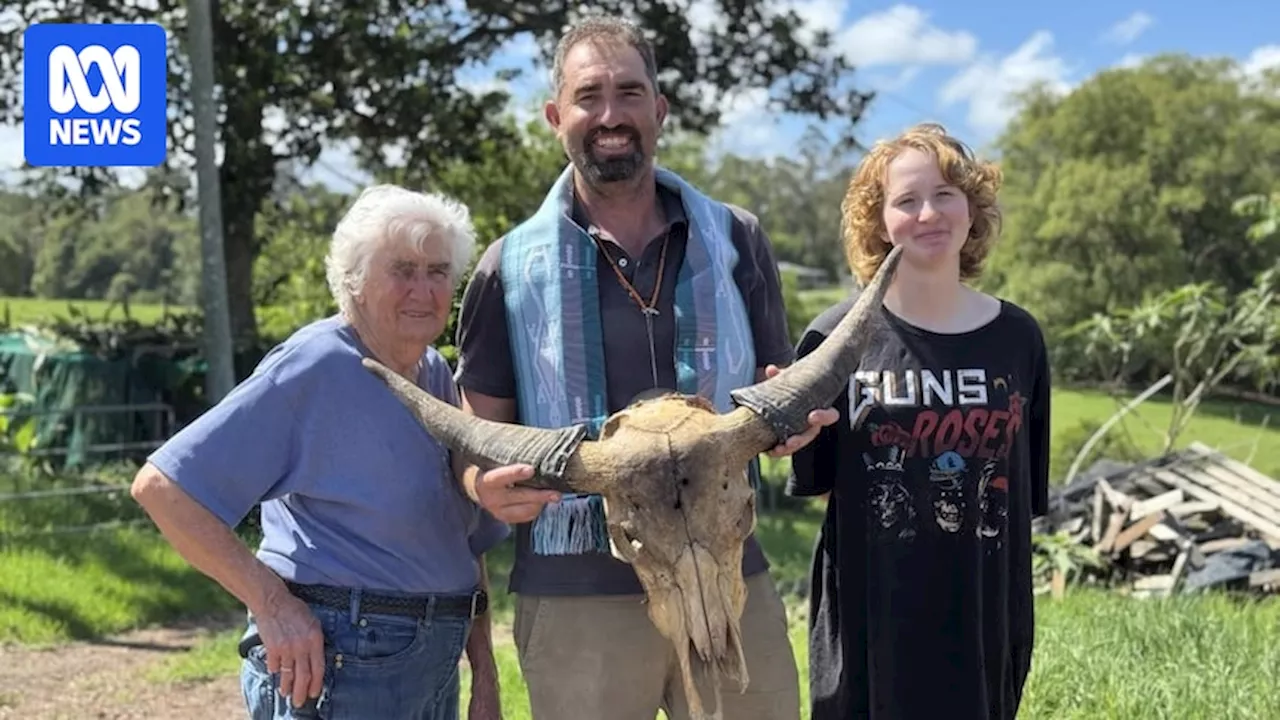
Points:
[[76, 482], [42, 494]]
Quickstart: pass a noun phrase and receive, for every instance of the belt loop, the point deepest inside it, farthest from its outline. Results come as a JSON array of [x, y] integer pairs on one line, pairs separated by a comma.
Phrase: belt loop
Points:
[[355, 605]]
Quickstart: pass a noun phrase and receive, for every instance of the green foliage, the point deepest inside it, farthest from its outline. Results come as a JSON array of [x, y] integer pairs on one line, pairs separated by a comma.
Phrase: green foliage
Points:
[[1201, 333], [1264, 212], [1060, 553], [1129, 187], [132, 246], [293, 77], [17, 429], [507, 185], [290, 288], [503, 185], [797, 317]]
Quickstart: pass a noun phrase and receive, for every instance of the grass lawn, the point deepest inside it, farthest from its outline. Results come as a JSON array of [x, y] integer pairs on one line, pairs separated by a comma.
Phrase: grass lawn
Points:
[[1249, 432], [80, 586], [21, 311], [1098, 657], [1102, 656]]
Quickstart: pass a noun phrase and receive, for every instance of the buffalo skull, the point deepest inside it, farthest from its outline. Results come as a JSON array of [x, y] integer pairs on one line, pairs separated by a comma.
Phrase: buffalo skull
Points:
[[672, 474]]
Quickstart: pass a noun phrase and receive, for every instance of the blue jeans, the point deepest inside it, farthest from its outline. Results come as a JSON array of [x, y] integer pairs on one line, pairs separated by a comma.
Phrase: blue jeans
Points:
[[376, 666]]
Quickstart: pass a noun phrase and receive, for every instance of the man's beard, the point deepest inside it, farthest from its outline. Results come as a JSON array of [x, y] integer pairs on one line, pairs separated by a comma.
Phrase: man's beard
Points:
[[611, 169]]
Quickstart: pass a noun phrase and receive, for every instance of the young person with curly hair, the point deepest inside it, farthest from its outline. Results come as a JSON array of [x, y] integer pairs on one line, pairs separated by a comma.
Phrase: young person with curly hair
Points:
[[921, 601]]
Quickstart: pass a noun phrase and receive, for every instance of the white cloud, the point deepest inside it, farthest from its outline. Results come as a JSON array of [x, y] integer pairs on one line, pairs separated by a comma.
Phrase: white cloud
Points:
[[1130, 60], [747, 127], [1261, 60], [902, 35], [817, 15], [1128, 29], [703, 16], [990, 84]]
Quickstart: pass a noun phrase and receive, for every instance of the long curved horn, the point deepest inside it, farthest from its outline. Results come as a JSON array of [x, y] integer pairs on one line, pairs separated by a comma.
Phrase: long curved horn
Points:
[[557, 456], [784, 401]]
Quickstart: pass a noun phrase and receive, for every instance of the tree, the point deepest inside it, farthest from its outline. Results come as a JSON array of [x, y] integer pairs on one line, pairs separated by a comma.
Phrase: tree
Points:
[[1263, 211], [1126, 187], [384, 74], [1200, 334]]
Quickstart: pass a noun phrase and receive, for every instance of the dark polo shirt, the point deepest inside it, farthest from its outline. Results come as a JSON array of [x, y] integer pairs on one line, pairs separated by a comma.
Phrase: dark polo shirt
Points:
[[485, 365]]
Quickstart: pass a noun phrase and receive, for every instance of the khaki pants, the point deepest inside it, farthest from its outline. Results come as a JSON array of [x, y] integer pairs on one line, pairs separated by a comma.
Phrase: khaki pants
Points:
[[601, 658]]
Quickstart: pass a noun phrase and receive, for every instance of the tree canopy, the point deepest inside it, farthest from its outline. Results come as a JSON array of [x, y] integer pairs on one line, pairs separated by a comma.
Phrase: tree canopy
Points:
[[1127, 187], [385, 74]]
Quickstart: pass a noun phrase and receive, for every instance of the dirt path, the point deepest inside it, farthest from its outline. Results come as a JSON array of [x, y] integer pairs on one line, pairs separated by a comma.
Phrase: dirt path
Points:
[[108, 679]]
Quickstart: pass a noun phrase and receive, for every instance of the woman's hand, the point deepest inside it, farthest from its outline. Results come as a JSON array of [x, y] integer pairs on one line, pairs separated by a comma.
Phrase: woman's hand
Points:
[[818, 419], [294, 643]]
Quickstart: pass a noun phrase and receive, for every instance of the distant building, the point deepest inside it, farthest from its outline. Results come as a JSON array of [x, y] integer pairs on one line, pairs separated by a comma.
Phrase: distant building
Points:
[[807, 278]]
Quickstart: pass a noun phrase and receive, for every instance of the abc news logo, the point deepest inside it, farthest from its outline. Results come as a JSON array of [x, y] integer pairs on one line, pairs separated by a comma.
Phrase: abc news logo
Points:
[[95, 95], [69, 89]]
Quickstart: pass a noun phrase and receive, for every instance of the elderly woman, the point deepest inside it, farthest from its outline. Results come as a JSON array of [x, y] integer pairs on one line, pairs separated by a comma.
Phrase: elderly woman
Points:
[[369, 579]]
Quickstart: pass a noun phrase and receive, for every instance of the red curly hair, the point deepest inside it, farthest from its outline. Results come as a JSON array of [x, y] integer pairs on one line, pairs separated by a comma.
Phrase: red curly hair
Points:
[[862, 211]]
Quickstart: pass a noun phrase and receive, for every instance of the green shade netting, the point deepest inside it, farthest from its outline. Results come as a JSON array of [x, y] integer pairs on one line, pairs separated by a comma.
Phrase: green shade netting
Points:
[[61, 377]]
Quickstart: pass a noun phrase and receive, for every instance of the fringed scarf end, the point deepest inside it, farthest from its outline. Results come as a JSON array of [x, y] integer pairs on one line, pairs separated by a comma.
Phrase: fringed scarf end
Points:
[[573, 526]]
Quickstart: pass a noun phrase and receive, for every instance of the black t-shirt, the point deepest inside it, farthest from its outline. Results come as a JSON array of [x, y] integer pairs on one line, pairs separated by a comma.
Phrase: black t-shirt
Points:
[[921, 600]]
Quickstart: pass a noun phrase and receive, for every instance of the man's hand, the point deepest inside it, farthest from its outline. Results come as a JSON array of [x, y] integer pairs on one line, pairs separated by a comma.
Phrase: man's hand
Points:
[[497, 493], [295, 647], [818, 419], [486, 703]]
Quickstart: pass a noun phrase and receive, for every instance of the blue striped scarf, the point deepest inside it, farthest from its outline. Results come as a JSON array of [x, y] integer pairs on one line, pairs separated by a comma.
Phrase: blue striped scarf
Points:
[[553, 317]]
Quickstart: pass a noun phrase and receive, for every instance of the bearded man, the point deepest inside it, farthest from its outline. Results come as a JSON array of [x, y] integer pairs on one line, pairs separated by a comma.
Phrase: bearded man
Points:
[[627, 281]]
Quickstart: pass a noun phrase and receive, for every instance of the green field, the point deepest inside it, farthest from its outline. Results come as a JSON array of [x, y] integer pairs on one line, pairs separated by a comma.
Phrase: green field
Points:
[[1098, 656], [35, 311], [77, 586], [1249, 432]]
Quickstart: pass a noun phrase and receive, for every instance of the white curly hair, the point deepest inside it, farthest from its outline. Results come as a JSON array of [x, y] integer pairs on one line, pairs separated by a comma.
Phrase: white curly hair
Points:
[[389, 212]]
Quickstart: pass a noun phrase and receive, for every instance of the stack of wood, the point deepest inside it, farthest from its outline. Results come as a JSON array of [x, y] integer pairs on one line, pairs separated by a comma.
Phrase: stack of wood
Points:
[[1183, 522]]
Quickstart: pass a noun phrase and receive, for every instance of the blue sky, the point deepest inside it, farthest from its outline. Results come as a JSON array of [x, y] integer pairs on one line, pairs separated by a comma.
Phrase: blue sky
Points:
[[953, 62], [958, 62]]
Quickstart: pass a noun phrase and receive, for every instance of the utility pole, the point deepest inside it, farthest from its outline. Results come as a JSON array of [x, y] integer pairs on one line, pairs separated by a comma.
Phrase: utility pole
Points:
[[213, 275]]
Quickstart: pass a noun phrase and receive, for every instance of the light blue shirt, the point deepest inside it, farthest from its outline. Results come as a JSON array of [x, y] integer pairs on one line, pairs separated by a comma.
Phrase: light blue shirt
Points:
[[354, 491]]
